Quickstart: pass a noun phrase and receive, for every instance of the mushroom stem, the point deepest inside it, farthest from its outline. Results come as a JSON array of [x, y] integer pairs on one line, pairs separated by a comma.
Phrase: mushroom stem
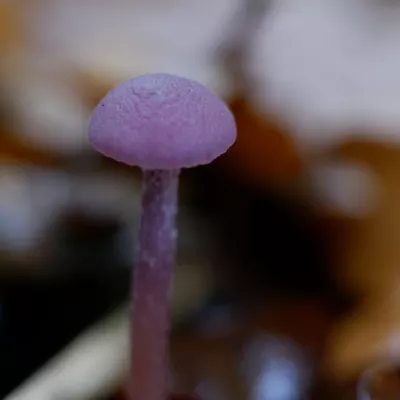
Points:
[[152, 284]]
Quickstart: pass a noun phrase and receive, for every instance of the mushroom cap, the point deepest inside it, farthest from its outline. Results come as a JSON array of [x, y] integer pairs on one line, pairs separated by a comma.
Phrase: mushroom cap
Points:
[[162, 121]]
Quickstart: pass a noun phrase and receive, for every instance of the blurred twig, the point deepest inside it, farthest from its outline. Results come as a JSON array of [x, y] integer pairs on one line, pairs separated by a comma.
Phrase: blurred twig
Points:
[[235, 50]]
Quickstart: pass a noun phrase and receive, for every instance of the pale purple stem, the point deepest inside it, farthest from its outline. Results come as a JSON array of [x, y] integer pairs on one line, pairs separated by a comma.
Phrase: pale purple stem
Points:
[[152, 285]]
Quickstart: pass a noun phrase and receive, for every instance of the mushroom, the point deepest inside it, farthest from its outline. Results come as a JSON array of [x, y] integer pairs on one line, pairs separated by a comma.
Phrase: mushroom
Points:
[[161, 123]]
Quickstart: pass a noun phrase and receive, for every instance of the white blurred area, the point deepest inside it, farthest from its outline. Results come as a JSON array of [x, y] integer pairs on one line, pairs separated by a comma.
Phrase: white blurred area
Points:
[[33, 198], [329, 69], [71, 46], [276, 368], [345, 188]]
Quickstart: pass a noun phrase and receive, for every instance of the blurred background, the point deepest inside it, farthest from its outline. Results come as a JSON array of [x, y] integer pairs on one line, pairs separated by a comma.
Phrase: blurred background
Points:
[[287, 281]]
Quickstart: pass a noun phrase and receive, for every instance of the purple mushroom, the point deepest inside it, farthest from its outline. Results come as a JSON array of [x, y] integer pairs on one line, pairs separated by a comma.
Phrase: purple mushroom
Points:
[[161, 123]]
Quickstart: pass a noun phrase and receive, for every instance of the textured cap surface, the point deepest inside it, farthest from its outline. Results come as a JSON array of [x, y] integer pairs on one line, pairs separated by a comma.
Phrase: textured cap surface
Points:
[[161, 121]]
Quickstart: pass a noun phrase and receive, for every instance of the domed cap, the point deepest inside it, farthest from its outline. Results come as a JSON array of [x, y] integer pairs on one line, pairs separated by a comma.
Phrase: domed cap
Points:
[[161, 121]]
